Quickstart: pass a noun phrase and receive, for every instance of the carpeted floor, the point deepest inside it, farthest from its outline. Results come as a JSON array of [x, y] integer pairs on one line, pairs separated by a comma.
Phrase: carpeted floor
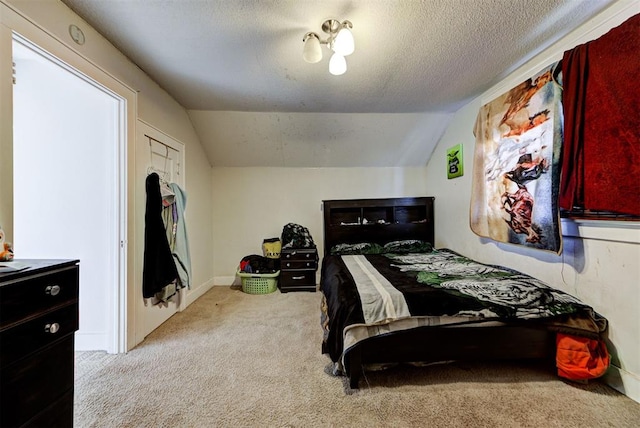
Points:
[[238, 360]]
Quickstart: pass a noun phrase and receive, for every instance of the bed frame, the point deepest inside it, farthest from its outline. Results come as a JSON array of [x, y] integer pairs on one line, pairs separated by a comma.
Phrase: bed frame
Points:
[[392, 219], [377, 220]]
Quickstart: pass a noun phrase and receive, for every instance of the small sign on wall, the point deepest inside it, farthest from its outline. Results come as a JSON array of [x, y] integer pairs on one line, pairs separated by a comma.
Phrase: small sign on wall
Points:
[[455, 167]]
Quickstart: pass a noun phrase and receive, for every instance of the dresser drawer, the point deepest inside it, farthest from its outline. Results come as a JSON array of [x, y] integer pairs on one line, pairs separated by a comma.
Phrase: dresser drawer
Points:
[[38, 382], [58, 414], [21, 299], [38, 332]]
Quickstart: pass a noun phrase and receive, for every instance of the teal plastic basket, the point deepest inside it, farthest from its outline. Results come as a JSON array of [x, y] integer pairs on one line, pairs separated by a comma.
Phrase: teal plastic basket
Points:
[[254, 283]]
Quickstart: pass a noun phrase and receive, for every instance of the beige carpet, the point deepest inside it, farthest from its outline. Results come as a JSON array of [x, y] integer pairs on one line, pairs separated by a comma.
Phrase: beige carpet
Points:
[[238, 360]]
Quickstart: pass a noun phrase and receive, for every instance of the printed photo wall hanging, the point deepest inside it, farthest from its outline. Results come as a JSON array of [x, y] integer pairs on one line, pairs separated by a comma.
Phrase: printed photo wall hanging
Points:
[[455, 167], [516, 164]]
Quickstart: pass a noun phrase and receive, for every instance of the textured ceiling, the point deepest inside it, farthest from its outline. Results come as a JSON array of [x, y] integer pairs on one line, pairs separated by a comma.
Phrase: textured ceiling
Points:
[[412, 56]]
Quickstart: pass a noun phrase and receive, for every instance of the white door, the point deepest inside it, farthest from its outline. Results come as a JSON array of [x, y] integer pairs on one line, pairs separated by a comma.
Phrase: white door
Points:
[[162, 154], [67, 197]]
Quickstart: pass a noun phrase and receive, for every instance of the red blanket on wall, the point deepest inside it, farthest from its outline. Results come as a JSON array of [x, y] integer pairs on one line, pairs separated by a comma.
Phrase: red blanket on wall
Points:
[[601, 100]]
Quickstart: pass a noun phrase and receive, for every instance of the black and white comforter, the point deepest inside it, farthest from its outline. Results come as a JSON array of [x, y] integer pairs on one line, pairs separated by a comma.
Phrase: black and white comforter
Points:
[[368, 295]]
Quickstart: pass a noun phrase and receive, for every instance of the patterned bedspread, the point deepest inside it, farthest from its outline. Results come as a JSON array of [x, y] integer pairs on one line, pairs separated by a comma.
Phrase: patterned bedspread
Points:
[[366, 295]]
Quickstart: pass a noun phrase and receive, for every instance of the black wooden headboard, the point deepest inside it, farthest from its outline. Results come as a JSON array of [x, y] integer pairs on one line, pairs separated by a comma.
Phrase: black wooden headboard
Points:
[[377, 220]]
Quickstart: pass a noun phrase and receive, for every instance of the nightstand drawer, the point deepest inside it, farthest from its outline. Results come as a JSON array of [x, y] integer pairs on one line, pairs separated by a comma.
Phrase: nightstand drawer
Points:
[[309, 254], [300, 278], [298, 264]]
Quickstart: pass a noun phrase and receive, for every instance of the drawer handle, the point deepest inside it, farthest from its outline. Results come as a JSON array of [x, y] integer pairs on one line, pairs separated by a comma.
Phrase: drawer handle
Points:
[[52, 290], [288, 264], [297, 277], [52, 328]]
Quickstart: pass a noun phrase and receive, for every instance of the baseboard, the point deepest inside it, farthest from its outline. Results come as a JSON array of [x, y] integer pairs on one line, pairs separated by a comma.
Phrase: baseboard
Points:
[[197, 292], [91, 341], [624, 382], [226, 281]]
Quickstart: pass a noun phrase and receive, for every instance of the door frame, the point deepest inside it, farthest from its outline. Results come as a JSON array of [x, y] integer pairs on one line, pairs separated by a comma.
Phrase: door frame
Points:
[[123, 337]]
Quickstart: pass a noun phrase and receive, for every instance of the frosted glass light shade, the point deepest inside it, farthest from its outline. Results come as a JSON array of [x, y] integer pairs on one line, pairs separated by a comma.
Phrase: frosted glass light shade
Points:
[[337, 64], [344, 43], [312, 52]]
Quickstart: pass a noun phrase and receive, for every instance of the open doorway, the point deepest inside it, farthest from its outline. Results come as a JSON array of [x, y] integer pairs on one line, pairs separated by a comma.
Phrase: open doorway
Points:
[[69, 190]]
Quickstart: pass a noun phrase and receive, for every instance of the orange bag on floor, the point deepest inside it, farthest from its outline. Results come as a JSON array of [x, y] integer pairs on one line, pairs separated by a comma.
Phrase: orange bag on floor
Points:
[[580, 358]]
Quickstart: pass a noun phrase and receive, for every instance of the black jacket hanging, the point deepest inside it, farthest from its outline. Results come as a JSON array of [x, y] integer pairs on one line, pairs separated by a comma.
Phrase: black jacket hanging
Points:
[[159, 269]]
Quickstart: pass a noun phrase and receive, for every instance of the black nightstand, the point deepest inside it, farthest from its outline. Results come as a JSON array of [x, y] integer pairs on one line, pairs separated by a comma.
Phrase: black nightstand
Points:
[[298, 269]]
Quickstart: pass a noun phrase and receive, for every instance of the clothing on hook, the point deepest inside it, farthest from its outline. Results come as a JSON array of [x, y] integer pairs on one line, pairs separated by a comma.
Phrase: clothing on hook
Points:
[[180, 250], [159, 269], [168, 196]]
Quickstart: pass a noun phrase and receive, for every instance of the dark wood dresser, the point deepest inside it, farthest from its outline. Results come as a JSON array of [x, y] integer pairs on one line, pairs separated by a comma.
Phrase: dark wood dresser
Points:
[[298, 268], [38, 318]]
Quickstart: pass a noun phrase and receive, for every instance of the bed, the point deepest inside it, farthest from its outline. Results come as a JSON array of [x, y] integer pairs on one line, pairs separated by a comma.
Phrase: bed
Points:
[[389, 297]]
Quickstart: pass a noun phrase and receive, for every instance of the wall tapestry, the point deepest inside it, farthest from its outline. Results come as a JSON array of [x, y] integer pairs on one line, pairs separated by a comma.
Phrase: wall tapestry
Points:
[[516, 164]]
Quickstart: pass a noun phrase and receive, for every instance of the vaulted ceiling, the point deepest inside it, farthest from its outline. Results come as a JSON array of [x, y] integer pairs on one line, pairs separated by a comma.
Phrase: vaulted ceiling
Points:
[[237, 67]]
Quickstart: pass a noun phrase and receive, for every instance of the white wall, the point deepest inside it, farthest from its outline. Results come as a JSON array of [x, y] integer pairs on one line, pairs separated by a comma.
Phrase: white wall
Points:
[[6, 133], [255, 203], [154, 106], [317, 140], [599, 264]]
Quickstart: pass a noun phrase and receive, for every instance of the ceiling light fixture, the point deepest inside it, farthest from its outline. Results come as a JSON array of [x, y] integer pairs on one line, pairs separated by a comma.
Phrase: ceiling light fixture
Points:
[[340, 41]]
